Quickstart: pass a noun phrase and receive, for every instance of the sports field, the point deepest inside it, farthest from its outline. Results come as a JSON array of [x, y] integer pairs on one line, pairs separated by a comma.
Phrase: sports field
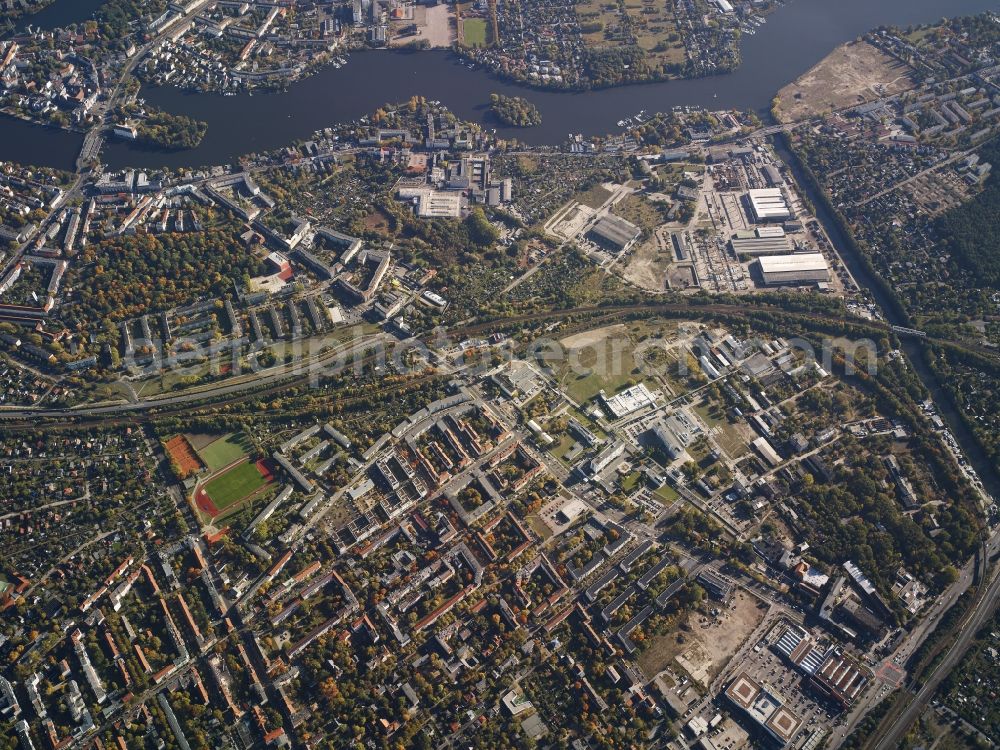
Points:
[[181, 453], [234, 485], [224, 451], [475, 30]]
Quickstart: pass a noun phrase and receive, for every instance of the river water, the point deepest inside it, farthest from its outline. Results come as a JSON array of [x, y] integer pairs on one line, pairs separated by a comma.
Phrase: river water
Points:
[[61, 13], [794, 38]]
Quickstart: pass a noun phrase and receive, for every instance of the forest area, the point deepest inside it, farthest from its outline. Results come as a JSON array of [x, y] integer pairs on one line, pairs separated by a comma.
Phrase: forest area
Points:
[[173, 132], [972, 230], [515, 111], [126, 276]]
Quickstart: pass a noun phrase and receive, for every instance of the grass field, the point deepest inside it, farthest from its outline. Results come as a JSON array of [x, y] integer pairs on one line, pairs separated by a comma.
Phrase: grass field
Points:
[[711, 413], [667, 494], [630, 482], [475, 31], [585, 386], [640, 212], [224, 451], [234, 485], [561, 448], [731, 441], [596, 373], [594, 197]]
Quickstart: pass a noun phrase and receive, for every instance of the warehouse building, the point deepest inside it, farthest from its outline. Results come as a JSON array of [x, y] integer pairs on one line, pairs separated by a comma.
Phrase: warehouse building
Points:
[[763, 241], [800, 268], [768, 204], [766, 451], [429, 203], [435, 204], [668, 441], [614, 233], [772, 176], [681, 248]]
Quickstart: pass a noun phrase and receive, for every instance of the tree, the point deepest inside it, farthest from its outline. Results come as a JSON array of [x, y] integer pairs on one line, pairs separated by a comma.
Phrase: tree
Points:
[[515, 111], [481, 231], [947, 576]]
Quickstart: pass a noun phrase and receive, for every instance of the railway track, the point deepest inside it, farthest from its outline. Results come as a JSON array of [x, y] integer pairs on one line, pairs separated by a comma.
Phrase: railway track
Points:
[[227, 393]]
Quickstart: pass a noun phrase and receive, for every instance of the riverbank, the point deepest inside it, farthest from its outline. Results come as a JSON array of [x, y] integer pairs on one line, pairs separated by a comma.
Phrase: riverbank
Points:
[[7, 112], [854, 73], [9, 17], [638, 79], [794, 40], [24, 142]]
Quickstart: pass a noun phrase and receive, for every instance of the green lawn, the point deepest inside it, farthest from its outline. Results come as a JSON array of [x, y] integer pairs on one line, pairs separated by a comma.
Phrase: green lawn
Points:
[[610, 376], [731, 441], [236, 484], [711, 413], [584, 386], [667, 494], [606, 361], [475, 30], [586, 421], [630, 482], [640, 212], [562, 446], [594, 197], [224, 451]]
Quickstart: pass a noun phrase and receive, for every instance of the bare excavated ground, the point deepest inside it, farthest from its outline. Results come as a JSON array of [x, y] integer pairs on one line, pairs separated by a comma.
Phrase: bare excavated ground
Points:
[[647, 268], [436, 24], [852, 74], [707, 645]]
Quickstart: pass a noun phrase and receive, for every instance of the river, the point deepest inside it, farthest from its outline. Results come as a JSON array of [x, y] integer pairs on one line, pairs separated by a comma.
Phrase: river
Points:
[[59, 14], [794, 39]]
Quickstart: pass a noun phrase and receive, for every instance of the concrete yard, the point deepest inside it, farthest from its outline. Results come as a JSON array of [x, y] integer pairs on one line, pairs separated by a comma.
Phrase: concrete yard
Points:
[[570, 220], [651, 261]]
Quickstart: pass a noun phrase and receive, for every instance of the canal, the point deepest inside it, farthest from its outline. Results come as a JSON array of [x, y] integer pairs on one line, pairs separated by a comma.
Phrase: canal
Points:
[[915, 349]]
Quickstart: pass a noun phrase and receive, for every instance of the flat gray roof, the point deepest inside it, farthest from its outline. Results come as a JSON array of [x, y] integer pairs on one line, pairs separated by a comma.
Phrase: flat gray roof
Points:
[[616, 230]]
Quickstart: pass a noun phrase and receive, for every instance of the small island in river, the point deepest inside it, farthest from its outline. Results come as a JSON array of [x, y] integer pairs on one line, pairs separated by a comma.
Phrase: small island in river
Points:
[[515, 111]]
